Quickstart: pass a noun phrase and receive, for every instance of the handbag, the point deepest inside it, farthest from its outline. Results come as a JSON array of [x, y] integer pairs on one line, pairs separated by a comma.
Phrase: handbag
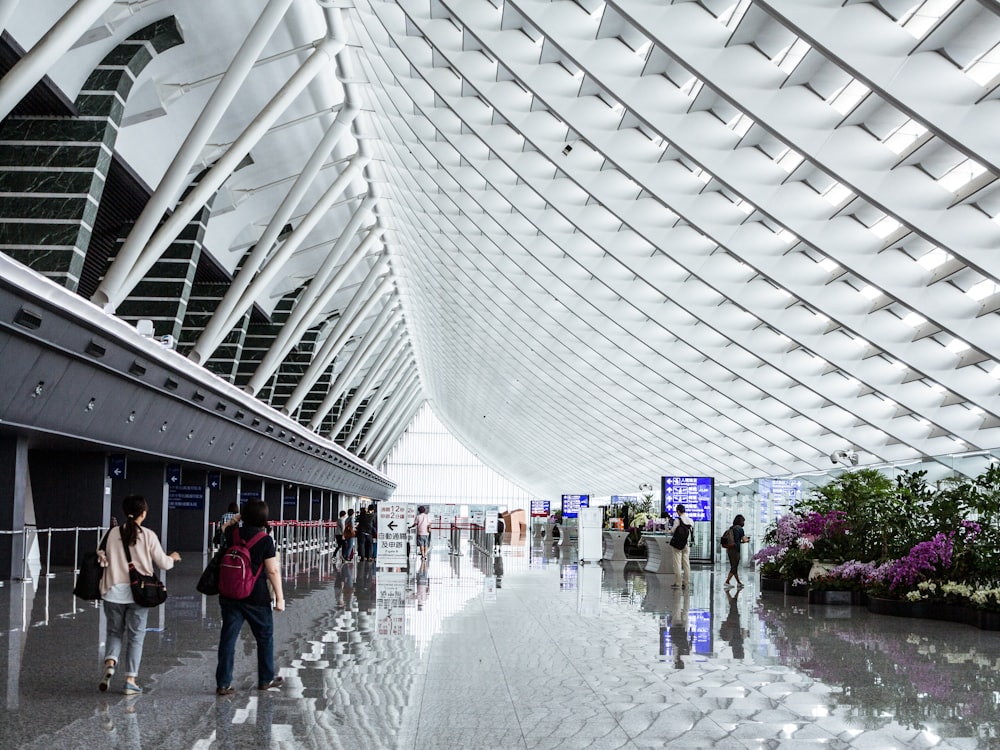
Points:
[[147, 591], [208, 584], [88, 579]]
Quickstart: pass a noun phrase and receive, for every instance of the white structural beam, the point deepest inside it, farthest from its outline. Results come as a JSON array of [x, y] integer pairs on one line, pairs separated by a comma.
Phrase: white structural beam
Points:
[[375, 403], [380, 452], [37, 61], [7, 8], [387, 320], [357, 311], [225, 166], [391, 416], [365, 348], [289, 334], [393, 402], [110, 292], [251, 282], [375, 371]]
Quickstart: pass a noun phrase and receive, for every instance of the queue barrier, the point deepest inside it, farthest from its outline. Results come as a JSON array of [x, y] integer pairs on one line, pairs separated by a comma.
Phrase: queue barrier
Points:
[[31, 534]]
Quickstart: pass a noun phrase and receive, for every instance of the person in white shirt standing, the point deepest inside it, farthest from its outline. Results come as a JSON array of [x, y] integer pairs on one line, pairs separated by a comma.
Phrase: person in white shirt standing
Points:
[[680, 544], [423, 524]]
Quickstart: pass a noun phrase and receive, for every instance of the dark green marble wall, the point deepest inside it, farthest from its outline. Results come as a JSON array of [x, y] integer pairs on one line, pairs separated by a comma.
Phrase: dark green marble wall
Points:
[[164, 293], [258, 341], [205, 298], [53, 170], [293, 368]]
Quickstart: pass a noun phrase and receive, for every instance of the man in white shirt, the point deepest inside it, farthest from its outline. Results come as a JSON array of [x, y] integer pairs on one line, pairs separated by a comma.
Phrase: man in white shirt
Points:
[[681, 557]]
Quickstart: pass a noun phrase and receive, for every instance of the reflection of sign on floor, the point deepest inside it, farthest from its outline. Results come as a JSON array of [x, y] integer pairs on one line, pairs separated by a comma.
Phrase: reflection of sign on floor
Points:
[[390, 602], [490, 588], [392, 535]]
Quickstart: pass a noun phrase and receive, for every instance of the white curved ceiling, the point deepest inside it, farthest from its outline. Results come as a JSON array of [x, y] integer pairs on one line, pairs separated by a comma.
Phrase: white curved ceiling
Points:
[[633, 238]]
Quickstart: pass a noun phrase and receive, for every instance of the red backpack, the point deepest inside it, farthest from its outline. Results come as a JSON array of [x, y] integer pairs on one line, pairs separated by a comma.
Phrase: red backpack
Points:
[[236, 576]]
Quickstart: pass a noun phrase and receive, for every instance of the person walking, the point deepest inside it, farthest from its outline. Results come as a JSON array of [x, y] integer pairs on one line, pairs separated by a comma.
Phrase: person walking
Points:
[[347, 551], [681, 555], [338, 533], [739, 537], [365, 529], [125, 618], [256, 608]]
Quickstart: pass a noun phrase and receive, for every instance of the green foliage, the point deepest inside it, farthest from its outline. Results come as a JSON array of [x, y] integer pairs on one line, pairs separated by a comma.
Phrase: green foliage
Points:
[[873, 511]]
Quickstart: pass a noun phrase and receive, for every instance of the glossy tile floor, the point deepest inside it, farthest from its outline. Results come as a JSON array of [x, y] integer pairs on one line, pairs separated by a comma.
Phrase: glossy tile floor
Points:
[[524, 650]]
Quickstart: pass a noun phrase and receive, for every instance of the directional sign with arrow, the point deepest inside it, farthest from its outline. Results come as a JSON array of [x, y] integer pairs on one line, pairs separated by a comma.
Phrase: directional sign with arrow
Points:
[[116, 465], [173, 474], [392, 535]]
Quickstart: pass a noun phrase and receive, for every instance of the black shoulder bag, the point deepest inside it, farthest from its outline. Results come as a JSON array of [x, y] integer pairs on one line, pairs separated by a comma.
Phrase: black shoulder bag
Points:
[[88, 579], [147, 591]]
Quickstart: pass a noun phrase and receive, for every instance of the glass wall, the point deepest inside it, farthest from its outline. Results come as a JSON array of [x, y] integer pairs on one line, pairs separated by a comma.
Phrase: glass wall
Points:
[[430, 466]]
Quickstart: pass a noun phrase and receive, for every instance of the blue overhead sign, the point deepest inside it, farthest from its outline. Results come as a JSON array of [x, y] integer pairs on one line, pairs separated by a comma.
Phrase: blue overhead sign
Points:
[[214, 480], [191, 496], [571, 505], [781, 491], [696, 494]]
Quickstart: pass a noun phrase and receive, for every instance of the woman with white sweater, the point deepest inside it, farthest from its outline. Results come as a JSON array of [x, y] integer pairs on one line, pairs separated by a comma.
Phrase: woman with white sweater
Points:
[[125, 618]]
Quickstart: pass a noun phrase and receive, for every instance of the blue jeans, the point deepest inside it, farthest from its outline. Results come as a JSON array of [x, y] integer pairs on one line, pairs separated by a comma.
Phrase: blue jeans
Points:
[[125, 618], [348, 549], [261, 621]]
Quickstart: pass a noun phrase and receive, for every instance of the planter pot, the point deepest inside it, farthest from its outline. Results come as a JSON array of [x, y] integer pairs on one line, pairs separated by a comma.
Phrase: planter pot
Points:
[[892, 607], [924, 610], [837, 597], [987, 620], [772, 584], [792, 589]]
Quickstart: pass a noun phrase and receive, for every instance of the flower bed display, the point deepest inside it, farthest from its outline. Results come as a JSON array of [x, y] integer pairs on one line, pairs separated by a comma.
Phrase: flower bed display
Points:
[[911, 549]]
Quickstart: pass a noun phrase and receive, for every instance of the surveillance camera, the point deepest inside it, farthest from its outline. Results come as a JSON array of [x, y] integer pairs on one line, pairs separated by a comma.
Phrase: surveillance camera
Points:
[[847, 458]]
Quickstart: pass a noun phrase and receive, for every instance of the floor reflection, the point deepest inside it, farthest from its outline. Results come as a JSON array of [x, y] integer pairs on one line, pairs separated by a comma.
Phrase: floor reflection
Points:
[[478, 649]]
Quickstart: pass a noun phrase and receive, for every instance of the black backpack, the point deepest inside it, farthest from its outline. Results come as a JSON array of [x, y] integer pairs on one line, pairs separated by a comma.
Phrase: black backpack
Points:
[[681, 536]]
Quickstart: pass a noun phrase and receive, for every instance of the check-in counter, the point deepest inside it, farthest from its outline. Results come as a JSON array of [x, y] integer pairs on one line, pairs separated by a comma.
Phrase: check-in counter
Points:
[[659, 560], [614, 545]]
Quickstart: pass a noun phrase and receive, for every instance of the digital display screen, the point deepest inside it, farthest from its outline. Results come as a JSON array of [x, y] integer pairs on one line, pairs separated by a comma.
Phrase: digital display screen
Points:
[[539, 508], [571, 505], [694, 493]]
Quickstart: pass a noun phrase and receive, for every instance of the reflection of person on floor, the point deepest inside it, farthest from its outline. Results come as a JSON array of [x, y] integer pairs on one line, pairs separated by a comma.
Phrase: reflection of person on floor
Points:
[[679, 636], [498, 569], [346, 585], [226, 728], [122, 734], [730, 630], [423, 584], [365, 589]]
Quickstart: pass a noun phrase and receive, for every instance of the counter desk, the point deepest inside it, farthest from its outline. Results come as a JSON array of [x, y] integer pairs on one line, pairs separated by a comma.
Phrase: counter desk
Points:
[[659, 559], [614, 545]]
